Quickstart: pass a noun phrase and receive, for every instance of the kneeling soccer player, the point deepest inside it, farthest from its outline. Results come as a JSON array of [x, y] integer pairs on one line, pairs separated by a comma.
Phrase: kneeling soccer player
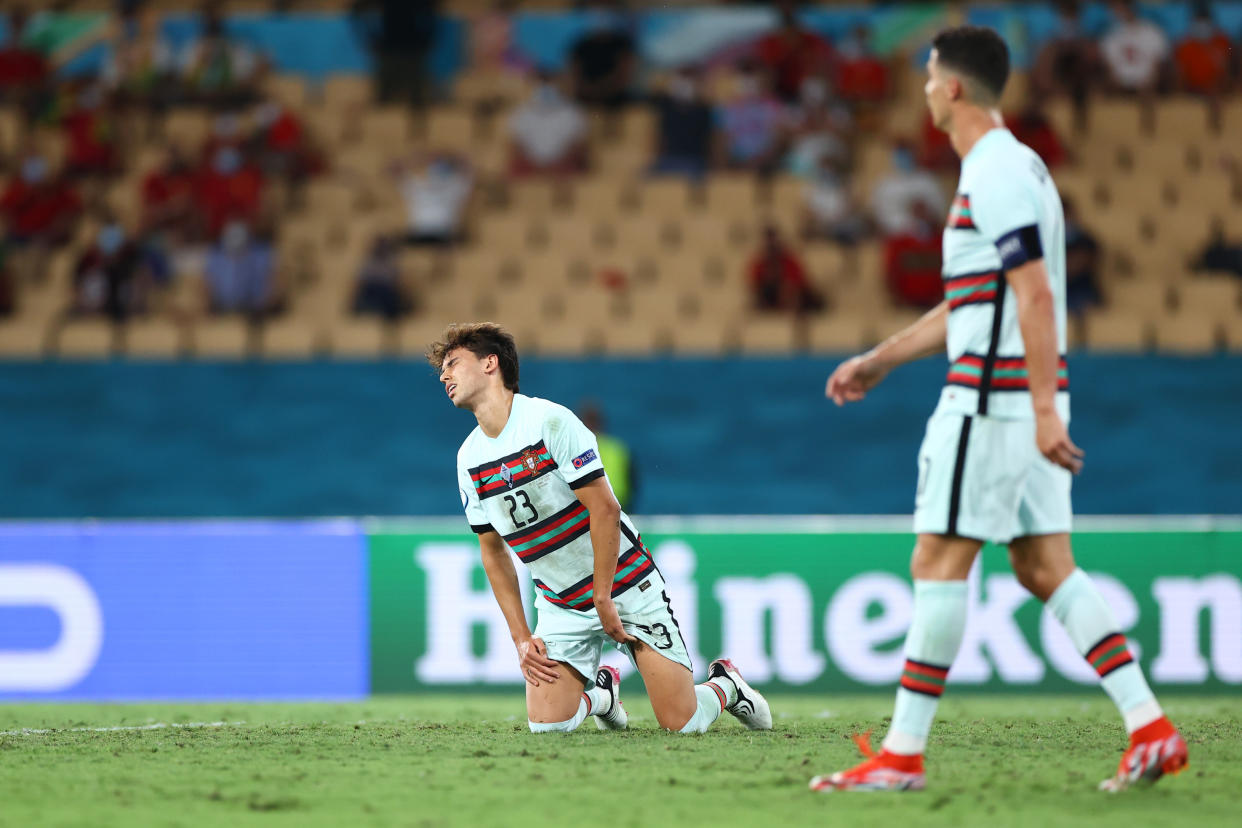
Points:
[[531, 479]]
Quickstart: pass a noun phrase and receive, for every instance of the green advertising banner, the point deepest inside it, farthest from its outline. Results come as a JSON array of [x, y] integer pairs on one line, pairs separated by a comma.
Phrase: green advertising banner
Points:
[[823, 606]]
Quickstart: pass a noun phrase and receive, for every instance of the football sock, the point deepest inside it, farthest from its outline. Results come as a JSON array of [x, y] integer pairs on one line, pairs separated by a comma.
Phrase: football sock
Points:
[[566, 726], [712, 699], [598, 699], [1080, 608], [931, 645]]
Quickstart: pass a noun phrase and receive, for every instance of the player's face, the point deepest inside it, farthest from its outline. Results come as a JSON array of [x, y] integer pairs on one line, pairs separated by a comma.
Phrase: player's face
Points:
[[463, 377], [937, 92]]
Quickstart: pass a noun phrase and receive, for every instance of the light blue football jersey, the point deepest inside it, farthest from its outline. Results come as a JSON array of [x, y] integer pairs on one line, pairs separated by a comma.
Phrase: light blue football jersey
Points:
[[1006, 212]]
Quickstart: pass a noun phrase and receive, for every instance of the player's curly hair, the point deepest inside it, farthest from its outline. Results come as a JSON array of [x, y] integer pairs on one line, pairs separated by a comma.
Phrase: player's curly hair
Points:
[[978, 53], [481, 339]]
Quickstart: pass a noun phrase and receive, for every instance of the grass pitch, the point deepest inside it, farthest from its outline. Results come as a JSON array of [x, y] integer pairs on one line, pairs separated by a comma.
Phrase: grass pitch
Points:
[[469, 760]]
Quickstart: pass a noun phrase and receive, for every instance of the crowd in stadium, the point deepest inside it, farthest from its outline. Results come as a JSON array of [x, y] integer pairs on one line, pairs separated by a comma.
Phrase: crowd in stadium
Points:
[[791, 104]]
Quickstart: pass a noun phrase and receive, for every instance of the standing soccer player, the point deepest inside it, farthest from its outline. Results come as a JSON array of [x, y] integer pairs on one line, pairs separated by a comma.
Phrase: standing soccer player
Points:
[[531, 480], [997, 460]]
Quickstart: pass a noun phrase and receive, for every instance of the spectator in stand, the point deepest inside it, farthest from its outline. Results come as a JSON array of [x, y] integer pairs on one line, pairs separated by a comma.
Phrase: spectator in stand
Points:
[[603, 61], [23, 69], [168, 195], [282, 145], [686, 127], [92, 129], [40, 206], [1205, 59], [895, 196], [1220, 254], [228, 188], [615, 456], [778, 281], [912, 260], [830, 212], [241, 273], [1032, 127], [141, 66], [1135, 52], [216, 69], [819, 128], [437, 190], [378, 291], [1082, 263], [548, 133], [791, 54], [860, 75], [109, 277], [752, 126], [1068, 63]]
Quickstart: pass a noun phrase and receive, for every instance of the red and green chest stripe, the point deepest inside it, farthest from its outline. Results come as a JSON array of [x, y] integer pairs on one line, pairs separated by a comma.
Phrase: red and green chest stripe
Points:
[[972, 289], [632, 567], [959, 214], [1007, 374], [511, 471], [545, 537]]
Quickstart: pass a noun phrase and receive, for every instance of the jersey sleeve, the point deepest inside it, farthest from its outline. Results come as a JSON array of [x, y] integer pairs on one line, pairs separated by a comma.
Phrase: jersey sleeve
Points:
[[573, 447], [470, 502], [1006, 211]]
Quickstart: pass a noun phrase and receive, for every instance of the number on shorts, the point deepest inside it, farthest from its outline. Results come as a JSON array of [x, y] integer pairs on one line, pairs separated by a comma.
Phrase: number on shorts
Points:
[[661, 630]]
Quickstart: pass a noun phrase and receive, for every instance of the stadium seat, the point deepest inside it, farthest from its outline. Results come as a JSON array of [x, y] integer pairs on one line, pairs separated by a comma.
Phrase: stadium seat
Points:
[[645, 236], [599, 197], [1116, 121], [1231, 119], [731, 196], [1142, 297], [771, 334], [1232, 330], [839, 333], [289, 90], [222, 337], [638, 126], [387, 130], [1209, 298], [187, 128], [294, 337], [665, 197], [11, 131], [358, 337], [154, 338], [85, 338], [706, 337], [22, 337], [345, 92], [510, 233], [1186, 334], [1118, 331], [1181, 118]]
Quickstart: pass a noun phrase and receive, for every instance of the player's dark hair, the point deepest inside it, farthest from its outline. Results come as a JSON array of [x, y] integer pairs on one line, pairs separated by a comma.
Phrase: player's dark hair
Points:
[[977, 52], [481, 339]]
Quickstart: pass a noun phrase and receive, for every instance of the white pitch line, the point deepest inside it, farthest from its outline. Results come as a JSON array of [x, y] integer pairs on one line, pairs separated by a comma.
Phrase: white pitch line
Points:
[[28, 731]]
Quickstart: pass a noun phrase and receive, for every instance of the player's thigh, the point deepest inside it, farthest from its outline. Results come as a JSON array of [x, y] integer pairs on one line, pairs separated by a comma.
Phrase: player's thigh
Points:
[[670, 686], [1042, 562], [555, 701]]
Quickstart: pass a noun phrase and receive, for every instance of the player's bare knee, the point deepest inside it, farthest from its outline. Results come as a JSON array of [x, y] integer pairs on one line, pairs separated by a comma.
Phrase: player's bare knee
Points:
[[675, 717]]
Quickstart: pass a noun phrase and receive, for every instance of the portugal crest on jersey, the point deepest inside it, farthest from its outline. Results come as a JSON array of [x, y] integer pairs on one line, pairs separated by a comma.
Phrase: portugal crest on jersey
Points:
[[530, 460]]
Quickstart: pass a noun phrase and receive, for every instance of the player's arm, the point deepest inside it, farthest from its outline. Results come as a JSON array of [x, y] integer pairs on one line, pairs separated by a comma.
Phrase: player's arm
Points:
[[503, 578], [1037, 321], [853, 378], [605, 512]]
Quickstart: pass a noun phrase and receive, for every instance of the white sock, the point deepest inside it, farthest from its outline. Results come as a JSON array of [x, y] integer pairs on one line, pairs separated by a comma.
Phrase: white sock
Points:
[[1080, 608], [567, 726], [599, 700], [711, 696], [931, 645]]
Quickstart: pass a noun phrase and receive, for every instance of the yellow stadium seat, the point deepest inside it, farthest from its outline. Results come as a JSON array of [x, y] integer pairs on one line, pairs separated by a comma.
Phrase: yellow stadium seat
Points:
[[358, 337], [1209, 298], [1181, 118], [23, 337], [290, 338], [1185, 333], [665, 197], [1116, 120], [703, 337], [347, 92], [771, 333], [638, 126], [1232, 330], [1146, 298], [223, 337], [1231, 118], [840, 333], [643, 235], [732, 196], [387, 129], [11, 131], [414, 335], [187, 129], [289, 90], [599, 197], [509, 234], [86, 338], [1118, 330], [638, 338], [154, 338]]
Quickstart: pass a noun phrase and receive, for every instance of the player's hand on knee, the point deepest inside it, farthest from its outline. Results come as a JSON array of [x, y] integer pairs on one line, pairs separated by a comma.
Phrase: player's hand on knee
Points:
[[853, 378], [611, 622], [1054, 442], [536, 666]]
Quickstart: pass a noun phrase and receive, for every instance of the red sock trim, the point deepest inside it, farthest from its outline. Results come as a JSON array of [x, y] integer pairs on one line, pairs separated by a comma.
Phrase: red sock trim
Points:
[[720, 694], [587, 699]]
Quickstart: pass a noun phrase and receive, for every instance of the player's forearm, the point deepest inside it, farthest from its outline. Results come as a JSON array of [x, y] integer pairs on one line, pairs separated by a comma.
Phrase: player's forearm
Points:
[[1037, 321], [924, 338], [605, 541], [503, 578]]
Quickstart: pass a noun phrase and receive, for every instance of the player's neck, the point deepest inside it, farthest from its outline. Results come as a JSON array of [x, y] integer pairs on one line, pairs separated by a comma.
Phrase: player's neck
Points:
[[971, 123], [493, 412]]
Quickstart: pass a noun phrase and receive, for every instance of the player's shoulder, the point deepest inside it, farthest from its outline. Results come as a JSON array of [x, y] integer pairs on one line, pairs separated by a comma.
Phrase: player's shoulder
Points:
[[468, 447], [545, 410]]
